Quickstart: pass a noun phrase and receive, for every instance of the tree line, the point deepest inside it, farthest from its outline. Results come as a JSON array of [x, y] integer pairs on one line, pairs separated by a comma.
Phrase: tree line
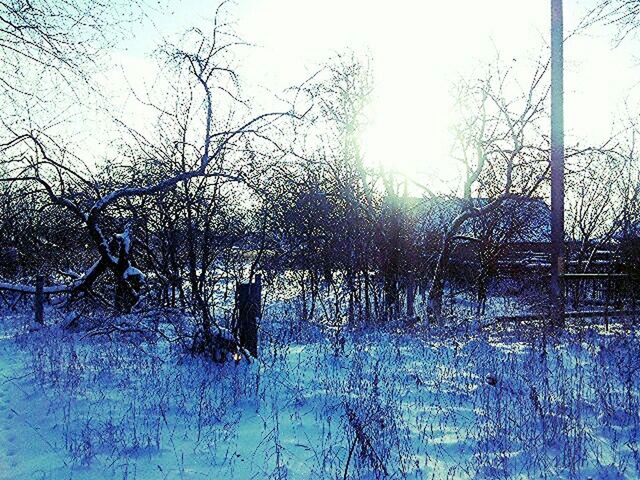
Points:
[[219, 190]]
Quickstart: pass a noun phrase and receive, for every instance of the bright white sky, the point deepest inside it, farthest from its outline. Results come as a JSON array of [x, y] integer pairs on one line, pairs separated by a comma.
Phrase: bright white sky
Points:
[[418, 49]]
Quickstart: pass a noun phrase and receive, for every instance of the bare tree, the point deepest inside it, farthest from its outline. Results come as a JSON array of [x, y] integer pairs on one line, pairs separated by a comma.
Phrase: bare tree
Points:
[[499, 147], [61, 36], [624, 15], [330, 176], [224, 132], [496, 234]]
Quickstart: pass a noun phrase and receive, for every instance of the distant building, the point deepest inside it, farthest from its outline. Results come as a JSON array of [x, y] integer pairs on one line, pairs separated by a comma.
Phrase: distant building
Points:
[[520, 227]]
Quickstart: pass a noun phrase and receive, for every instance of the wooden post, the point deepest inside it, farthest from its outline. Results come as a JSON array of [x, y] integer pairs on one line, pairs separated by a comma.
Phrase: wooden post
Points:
[[39, 300], [248, 306]]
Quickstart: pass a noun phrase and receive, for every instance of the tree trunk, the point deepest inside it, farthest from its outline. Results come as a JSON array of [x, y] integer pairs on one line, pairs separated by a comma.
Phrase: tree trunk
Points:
[[350, 307], [411, 295], [434, 302], [303, 297], [39, 300], [124, 297], [367, 300]]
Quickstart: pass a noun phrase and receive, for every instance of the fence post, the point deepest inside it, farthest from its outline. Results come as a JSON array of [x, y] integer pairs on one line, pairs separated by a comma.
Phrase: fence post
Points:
[[39, 299], [248, 304]]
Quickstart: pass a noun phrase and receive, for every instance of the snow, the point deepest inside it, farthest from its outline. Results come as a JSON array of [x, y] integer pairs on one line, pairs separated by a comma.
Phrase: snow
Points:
[[133, 272], [20, 288], [125, 238], [52, 289], [417, 405]]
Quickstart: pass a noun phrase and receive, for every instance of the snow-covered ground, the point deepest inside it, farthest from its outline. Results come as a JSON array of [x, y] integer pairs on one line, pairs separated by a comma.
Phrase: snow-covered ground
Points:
[[384, 403]]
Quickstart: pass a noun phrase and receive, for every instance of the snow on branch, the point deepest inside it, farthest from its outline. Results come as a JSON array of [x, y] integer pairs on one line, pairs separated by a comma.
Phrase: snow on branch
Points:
[[84, 281]]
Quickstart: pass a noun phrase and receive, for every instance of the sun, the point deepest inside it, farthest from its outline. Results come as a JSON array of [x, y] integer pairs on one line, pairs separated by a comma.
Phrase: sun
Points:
[[408, 127]]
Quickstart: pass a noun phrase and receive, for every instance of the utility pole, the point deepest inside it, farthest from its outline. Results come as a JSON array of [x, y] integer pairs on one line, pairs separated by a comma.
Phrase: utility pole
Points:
[[557, 164]]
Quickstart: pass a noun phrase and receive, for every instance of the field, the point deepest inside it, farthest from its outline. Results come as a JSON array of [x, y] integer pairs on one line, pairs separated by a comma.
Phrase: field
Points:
[[320, 404]]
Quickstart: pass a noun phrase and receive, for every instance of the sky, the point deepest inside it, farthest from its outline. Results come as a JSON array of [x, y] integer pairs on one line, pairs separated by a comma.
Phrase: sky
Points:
[[418, 49]]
